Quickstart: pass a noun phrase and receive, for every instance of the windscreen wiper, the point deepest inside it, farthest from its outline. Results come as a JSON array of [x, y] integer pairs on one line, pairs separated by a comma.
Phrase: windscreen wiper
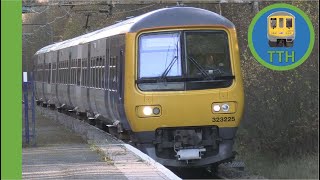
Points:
[[200, 68], [223, 77], [216, 78], [167, 70]]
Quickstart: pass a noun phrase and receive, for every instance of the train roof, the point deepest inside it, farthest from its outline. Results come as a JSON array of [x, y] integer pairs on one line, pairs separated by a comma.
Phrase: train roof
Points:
[[280, 13], [174, 16]]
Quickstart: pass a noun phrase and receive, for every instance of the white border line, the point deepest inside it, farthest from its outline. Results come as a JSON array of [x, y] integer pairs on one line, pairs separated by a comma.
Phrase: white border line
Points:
[[152, 162]]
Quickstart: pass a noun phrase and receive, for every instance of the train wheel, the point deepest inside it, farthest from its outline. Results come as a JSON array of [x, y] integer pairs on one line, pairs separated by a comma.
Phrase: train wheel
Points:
[[272, 44], [92, 121], [113, 131], [52, 106], [104, 127], [214, 168], [98, 124], [82, 116]]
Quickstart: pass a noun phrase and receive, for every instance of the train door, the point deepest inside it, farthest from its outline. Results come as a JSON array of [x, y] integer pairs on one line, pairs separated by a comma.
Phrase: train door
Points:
[[77, 92], [70, 85], [58, 78], [53, 78], [99, 54], [43, 74], [107, 85], [120, 83], [111, 77], [48, 77]]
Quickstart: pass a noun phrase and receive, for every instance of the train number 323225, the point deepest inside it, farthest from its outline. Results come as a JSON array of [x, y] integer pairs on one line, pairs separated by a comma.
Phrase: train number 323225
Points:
[[223, 119]]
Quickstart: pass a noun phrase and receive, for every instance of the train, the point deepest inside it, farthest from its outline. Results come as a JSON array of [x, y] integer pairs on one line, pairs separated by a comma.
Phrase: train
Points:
[[281, 29], [168, 81]]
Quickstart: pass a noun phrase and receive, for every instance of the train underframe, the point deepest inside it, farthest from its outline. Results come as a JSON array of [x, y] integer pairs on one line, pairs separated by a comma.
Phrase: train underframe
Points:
[[189, 146], [199, 146], [287, 41]]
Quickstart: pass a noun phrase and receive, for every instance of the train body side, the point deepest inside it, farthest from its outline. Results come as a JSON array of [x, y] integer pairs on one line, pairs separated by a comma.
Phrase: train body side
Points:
[[86, 78]]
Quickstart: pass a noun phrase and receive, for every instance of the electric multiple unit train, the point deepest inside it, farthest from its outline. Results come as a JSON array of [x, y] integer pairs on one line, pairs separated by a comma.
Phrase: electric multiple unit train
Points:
[[169, 81], [281, 29]]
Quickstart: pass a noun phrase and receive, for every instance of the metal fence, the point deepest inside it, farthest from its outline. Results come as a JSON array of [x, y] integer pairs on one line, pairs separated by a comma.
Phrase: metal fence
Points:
[[28, 107]]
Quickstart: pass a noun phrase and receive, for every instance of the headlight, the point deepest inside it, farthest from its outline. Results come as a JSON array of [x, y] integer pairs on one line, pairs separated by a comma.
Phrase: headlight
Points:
[[216, 108], [156, 110], [224, 107], [148, 111]]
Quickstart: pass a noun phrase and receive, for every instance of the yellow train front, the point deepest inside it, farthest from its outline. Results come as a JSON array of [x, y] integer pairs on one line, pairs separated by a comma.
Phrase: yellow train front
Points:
[[183, 94], [281, 29]]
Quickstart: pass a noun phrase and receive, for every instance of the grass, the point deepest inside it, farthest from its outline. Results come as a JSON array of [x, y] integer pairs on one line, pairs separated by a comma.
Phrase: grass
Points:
[[266, 165], [272, 165], [105, 157]]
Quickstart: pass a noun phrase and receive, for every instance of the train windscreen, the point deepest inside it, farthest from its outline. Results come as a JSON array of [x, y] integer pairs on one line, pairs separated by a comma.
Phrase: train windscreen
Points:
[[289, 23], [156, 52], [207, 59], [184, 60], [273, 22]]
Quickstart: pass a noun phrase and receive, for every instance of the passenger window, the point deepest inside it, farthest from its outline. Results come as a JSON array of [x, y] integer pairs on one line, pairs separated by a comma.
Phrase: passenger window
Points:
[[84, 74], [54, 72], [62, 75], [94, 73], [49, 73], [71, 71], [273, 22], [62, 72], [97, 72], [91, 84], [103, 73], [65, 72], [68, 72], [78, 71]]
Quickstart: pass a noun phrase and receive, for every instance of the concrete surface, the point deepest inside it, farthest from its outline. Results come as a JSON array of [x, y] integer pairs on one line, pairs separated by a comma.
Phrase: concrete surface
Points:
[[91, 154], [60, 154]]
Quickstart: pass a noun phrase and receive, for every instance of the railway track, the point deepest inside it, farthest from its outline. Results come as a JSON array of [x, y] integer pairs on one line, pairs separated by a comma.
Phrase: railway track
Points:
[[224, 171]]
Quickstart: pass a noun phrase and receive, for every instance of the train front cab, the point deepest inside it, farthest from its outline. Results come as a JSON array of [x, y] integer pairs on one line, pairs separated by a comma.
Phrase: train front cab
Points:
[[281, 29], [183, 109]]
